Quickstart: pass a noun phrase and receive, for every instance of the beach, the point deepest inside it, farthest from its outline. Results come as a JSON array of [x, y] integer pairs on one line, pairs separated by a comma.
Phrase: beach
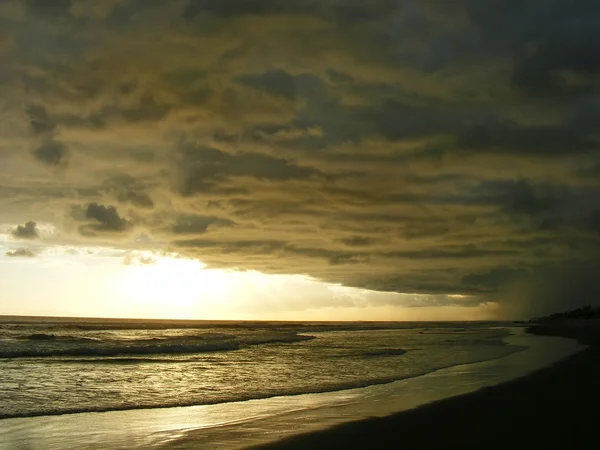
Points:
[[555, 407]]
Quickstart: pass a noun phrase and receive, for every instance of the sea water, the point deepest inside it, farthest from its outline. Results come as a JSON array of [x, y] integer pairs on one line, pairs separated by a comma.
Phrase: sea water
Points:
[[74, 367], [245, 371]]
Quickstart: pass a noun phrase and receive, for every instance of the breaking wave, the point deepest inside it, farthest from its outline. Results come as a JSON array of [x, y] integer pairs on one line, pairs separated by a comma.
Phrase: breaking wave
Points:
[[51, 345]]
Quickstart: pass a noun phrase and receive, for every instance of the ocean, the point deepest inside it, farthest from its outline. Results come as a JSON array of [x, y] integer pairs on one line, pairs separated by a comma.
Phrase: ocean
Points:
[[78, 366]]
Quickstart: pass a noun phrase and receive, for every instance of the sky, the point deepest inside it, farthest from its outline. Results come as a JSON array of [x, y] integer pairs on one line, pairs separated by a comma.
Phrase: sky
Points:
[[308, 160]]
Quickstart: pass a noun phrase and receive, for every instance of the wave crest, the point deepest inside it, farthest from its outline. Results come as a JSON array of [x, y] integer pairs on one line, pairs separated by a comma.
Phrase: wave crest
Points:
[[41, 345]]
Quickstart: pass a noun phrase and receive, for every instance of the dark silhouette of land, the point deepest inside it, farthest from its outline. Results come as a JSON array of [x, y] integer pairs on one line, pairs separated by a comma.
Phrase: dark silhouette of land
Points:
[[585, 312], [557, 407]]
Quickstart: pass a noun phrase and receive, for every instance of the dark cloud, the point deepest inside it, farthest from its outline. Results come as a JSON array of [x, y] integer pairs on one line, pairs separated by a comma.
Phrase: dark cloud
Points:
[[106, 218], [541, 141], [357, 241], [409, 283], [27, 231], [52, 153], [202, 169], [331, 257], [554, 44], [549, 288], [522, 199], [127, 189], [336, 257], [39, 120], [276, 82], [48, 7], [462, 252], [280, 83], [136, 198], [592, 221], [395, 120], [585, 115], [275, 248], [20, 253], [194, 224], [566, 62], [252, 246], [339, 77], [494, 279], [244, 7], [147, 109], [340, 12], [416, 147], [142, 110]]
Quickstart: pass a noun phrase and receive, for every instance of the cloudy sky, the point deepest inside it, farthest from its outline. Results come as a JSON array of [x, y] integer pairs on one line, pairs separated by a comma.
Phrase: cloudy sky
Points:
[[330, 159]]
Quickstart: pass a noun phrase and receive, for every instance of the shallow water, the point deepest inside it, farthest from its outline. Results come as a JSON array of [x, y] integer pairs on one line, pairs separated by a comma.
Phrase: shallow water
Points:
[[240, 424], [53, 369]]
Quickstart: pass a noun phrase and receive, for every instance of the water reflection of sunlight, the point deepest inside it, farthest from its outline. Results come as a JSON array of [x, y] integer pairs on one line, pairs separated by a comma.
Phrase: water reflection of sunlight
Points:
[[174, 427]]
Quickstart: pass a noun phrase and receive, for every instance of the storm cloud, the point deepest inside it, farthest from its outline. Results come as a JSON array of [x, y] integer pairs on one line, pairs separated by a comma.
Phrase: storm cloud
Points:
[[440, 148]]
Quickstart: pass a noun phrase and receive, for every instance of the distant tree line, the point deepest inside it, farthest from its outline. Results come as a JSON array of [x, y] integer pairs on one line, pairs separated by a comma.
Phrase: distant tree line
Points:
[[585, 312]]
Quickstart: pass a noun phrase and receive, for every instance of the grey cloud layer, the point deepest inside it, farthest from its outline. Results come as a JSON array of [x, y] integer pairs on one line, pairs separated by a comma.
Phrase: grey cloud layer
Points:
[[422, 147]]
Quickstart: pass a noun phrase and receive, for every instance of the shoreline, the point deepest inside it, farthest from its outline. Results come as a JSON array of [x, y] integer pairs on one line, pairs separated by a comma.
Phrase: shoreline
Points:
[[349, 386], [383, 400], [325, 391], [257, 422], [553, 407]]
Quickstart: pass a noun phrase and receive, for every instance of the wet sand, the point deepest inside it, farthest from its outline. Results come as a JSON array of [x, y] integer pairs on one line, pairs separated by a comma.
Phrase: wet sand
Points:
[[557, 407]]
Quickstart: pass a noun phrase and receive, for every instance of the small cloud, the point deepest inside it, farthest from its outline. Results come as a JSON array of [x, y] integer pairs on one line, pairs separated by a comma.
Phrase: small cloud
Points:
[[52, 153], [20, 253], [107, 217], [27, 231]]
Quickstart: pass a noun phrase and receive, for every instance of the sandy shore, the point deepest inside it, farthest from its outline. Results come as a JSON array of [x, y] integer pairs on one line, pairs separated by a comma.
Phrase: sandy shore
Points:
[[555, 407]]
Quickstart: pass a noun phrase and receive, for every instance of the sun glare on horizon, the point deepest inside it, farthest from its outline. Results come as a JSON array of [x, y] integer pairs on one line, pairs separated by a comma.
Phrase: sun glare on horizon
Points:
[[106, 282], [174, 287]]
